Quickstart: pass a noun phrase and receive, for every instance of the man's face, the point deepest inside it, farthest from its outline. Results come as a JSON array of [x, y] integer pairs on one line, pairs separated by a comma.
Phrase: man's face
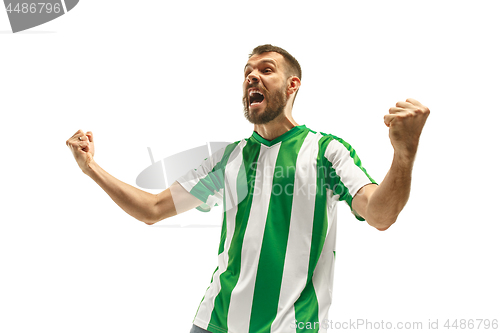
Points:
[[264, 88]]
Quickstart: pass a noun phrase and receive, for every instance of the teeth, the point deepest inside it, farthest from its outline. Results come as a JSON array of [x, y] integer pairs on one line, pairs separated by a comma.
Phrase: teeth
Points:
[[253, 92]]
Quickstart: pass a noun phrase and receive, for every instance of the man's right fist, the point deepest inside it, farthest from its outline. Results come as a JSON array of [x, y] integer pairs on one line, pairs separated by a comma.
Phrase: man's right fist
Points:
[[82, 146]]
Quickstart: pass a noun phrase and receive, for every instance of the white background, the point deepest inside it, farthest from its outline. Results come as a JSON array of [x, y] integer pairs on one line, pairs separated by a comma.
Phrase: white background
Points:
[[168, 76]]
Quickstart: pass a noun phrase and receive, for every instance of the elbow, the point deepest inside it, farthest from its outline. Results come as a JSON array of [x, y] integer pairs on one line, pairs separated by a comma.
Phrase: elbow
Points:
[[150, 219], [154, 218], [151, 214], [382, 220], [381, 225], [382, 228]]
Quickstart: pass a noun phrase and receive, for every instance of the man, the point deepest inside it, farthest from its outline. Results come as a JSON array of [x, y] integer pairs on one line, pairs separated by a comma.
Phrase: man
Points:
[[279, 189]]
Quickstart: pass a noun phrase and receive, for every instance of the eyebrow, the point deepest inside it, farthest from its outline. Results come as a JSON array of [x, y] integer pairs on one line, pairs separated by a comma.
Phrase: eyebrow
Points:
[[271, 61]]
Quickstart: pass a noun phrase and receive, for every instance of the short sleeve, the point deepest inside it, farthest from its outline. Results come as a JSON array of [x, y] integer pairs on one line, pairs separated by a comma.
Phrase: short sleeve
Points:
[[346, 175], [206, 182]]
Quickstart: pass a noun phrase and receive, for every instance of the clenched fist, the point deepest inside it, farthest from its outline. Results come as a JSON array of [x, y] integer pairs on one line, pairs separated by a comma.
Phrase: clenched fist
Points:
[[406, 121], [82, 146]]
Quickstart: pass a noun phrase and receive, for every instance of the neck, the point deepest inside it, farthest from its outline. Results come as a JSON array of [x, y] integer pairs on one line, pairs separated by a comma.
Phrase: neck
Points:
[[276, 127]]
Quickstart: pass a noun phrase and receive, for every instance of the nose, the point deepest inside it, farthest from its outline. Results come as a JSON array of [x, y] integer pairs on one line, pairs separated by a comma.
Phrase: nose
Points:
[[252, 78]]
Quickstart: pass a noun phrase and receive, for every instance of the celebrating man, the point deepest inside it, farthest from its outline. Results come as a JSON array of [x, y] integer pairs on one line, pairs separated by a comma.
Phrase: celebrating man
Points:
[[279, 189]]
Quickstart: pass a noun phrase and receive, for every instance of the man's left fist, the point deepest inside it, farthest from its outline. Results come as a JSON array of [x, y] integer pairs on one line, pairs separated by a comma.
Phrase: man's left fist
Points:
[[406, 121]]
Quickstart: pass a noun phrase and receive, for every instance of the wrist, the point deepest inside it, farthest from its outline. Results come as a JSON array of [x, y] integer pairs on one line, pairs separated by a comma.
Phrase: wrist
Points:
[[405, 156], [91, 168], [402, 164]]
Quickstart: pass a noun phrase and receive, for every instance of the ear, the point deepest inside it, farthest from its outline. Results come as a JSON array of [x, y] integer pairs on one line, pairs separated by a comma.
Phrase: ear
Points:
[[293, 85]]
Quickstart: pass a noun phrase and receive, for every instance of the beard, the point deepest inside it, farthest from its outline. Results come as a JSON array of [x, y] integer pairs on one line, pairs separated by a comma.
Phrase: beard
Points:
[[275, 107]]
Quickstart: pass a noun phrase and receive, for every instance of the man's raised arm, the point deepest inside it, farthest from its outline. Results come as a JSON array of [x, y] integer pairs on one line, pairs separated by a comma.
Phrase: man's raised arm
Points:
[[381, 205], [146, 207]]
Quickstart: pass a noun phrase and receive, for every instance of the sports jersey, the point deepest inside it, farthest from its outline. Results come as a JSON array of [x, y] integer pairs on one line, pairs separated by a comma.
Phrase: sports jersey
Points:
[[277, 244]]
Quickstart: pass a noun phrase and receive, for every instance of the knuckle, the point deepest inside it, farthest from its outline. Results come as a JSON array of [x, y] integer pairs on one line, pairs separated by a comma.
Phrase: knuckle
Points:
[[423, 111]]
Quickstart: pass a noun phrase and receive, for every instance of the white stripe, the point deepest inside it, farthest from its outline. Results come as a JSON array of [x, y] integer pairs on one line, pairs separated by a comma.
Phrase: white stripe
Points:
[[300, 235], [205, 310], [240, 306], [151, 155], [210, 150], [323, 274], [207, 305], [350, 174], [64, 6]]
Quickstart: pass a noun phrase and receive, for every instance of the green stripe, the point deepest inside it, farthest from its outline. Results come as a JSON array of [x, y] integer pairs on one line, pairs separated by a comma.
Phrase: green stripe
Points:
[[306, 309], [211, 281], [306, 306], [229, 278], [227, 152], [240, 193], [223, 232], [275, 238], [214, 180], [334, 182]]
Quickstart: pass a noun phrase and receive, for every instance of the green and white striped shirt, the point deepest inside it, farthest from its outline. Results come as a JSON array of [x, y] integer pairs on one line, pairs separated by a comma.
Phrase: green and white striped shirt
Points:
[[277, 247]]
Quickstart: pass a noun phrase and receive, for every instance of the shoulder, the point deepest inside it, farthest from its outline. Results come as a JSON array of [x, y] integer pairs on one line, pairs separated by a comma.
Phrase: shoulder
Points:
[[332, 141], [223, 155], [334, 147]]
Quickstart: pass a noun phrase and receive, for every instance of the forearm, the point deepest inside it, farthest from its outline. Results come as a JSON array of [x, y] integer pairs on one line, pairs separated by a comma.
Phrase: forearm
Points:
[[135, 202], [392, 195]]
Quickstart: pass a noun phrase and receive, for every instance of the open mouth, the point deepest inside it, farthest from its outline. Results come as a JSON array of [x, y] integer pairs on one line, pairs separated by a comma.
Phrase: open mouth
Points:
[[255, 97]]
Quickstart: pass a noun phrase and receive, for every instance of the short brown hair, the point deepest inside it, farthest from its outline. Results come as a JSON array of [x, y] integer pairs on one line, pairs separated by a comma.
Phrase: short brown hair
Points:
[[293, 66]]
